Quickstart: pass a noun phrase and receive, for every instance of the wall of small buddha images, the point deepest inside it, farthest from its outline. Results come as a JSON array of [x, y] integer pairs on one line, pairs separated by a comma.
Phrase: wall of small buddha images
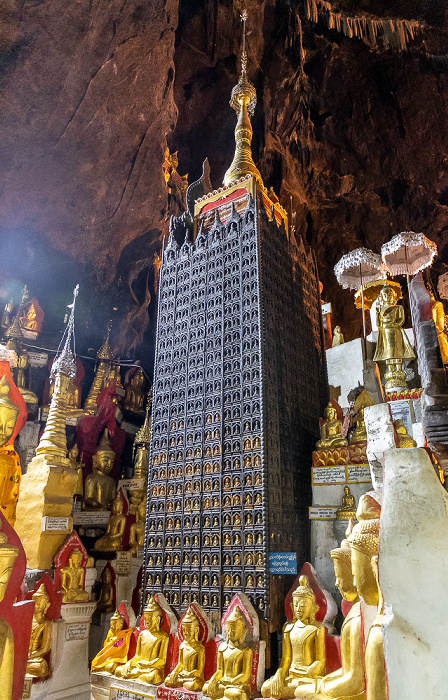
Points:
[[355, 133]]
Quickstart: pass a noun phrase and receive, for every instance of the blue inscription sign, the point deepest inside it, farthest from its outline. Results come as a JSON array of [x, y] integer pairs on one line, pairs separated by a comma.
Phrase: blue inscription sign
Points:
[[283, 563]]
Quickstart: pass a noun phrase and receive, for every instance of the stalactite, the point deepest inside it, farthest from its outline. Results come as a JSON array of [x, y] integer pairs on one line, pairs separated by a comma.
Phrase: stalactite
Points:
[[388, 33]]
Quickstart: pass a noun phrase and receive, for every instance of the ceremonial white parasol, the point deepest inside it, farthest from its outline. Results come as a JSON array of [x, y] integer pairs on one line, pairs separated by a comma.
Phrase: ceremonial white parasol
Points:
[[358, 268], [407, 253]]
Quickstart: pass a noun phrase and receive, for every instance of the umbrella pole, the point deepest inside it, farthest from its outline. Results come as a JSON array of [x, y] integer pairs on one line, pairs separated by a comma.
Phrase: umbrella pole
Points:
[[409, 298], [362, 305]]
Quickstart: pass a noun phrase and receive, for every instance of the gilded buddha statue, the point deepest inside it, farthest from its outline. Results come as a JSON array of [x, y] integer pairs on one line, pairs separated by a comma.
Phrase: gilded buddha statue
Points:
[[404, 440], [331, 431], [364, 552], [77, 465], [10, 471], [347, 509], [137, 532], [72, 579], [134, 392], [105, 603], [189, 672], [148, 664], [338, 338], [99, 487], [40, 641], [303, 650], [393, 346], [347, 683], [115, 648], [8, 555], [359, 433], [233, 665], [22, 364], [112, 540], [438, 316]]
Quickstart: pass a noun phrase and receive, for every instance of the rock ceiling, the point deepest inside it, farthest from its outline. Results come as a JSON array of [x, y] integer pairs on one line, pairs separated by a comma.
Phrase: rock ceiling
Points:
[[351, 133]]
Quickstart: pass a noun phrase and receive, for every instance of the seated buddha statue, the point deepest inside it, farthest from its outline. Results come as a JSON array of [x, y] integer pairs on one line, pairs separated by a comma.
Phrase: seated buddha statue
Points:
[[99, 487], [134, 393], [105, 602], [148, 664], [72, 579], [404, 440], [303, 651], [359, 434], [233, 666], [189, 672], [112, 540], [137, 532], [331, 431], [347, 509], [115, 648], [40, 640], [347, 682]]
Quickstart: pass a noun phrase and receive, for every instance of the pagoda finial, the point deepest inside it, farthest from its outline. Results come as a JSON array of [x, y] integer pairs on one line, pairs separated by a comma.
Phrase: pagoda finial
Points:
[[64, 363], [243, 101]]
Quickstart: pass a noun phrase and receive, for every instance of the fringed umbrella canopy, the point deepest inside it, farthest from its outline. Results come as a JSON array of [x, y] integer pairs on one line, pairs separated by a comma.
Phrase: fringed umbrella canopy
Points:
[[407, 253], [371, 292], [359, 267]]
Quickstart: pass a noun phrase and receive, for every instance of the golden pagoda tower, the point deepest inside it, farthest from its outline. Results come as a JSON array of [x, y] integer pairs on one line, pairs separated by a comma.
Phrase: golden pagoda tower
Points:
[[104, 359], [47, 489]]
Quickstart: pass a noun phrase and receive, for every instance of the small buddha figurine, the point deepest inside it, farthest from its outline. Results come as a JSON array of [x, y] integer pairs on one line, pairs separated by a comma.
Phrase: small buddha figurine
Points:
[[438, 316], [105, 602], [233, 667], [359, 434], [40, 641], [189, 672], [22, 364], [137, 532], [338, 338], [31, 316], [73, 455], [99, 487], [112, 540], [303, 651], [331, 431], [134, 393], [347, 509], [393, 346], [72, 579], [148, 664], [404, 440], [115, 648]]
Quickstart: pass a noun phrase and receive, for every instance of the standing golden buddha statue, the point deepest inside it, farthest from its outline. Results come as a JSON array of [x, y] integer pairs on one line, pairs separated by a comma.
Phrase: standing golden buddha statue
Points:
[[40, 641], [148, 664], [233, 666], [137, 531], [393, 346], [99, 486], [303, 650]]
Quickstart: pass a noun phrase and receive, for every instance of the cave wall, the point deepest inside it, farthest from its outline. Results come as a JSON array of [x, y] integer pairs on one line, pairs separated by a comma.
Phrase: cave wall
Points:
[[352, 137]]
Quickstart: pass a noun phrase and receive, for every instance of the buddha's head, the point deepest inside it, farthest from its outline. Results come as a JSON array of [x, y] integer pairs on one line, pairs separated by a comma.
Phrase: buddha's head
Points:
[[153, 615], [235, 626], [190, 626], [388, 296], [73, 452], [41, 601], [8, 412], [304, 602], [103, 459], [368, 508], [364, 545], [342, 562], [8, 555], [75, 558], [116, 622], [330, 412]]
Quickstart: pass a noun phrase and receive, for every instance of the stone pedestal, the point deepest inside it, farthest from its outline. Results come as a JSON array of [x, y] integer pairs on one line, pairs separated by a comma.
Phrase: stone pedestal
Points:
[[69, 656], [105, 687], [413, 570], [345, 366]]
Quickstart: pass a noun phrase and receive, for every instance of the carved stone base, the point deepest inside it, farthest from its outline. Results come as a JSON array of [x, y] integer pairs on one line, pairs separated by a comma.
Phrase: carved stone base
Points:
[[106, 687]]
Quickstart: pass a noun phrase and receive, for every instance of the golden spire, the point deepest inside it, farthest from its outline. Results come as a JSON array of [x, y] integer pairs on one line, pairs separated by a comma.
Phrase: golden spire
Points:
[[243, 101], [54, 440], [144, 434]]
